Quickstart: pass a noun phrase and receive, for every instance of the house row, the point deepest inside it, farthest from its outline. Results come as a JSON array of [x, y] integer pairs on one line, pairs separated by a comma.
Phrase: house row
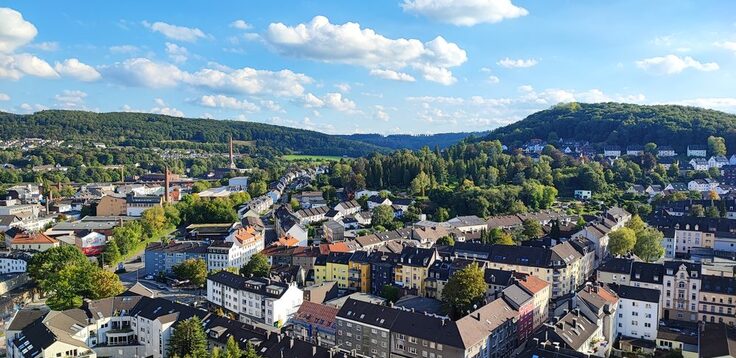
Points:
[[683, 234]]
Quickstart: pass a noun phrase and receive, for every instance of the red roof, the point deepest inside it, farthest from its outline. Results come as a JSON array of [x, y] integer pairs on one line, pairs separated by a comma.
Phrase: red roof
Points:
[[317, 314], [33, 239], [530, 283]]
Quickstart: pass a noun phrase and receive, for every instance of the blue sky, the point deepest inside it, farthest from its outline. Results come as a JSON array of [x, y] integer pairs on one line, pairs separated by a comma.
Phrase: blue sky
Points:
[[404, 66]]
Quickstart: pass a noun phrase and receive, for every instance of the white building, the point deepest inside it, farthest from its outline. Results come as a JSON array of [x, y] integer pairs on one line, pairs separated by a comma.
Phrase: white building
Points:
[[376, 200], [254, 299], [236, 250], [699, 164], [612, 152], [696, 151], [638, 312], [13, 262], [702, 185], [717, 161]]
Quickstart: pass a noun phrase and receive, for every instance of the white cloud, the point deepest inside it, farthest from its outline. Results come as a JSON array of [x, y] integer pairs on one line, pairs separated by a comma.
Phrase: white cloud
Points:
[[333, 100], [392, 75], [673, 64], [381, 114], [348, 43], [312, 101], [124, 49], [73, 68], [71, 96], [45, 46], [727, 45], [343, 87], [493, 79], [177, 53], [520, 63], [251, 81], [15, 66], [241, 25], [174, 32], [4, 97], [14, 30], [30, 108], [271, 106], [144, 72], [465, 12], [163, 108], [221, 101], [727, 104]]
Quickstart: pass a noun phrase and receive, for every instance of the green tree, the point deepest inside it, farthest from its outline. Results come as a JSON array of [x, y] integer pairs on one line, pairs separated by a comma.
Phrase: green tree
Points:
[[697, 210], [200, 186], [621, 241], [250, 351], [194, 270], [713, 212], [648, 245], [111, 255], [239, 198], [257, 266], [383, 215], [153, 221], [257, 188], [232, 350], [390, 293], [636, 224], [532, 229], [420, 183], [188, 339], [446, 241], [464, 289], [717, 145], [105, 284], [441, 214], [294, 204], [172, 215]]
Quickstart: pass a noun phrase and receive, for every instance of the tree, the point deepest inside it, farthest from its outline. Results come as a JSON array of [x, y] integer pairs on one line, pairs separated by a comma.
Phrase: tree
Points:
[[505, 239], [111, 255], [621, 241], [555, 230], [232, 350], [294, 204], [250, 351], [200, 186], [446, 241], [172, 215], [697, 210], [194, 270], [189, 339], [465, 289], [257, 266], [383, 215], [153, 221], [532, 229], [713, 212], [717, 145], [441, 214], [105, 284], [649, 244], [257, 188], [651, 148], [390, 293], [420, 183], [636, 224], [713, 195]]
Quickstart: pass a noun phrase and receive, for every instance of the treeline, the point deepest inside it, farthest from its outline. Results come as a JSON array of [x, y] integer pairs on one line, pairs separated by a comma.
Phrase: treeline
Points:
[[414, 142], [153, 130], [622, 124]]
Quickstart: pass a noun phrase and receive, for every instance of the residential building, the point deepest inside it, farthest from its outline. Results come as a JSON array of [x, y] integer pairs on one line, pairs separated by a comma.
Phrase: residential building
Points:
[[573, 331], [699, 164], [697, 151], [112, 206], [316, 323], [383, 265], [638, 312], [467, 224], [333, 231], [523, 303], [365, 328], [681, 291], [599, 303], [13, 262], [613, 151], [160, 258], [541, 294], [254, 299], [412, 268], [347, 208], [717, 300], [32, 242], [359, 272], [136, 205], [583, 194], [333, 267], [666, 151], [616, 270], [635, 150]]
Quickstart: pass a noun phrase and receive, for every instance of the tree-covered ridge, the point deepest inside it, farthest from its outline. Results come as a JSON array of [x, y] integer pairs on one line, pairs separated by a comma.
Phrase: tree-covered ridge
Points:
[[414, 142], [622, 124], [149, 130]]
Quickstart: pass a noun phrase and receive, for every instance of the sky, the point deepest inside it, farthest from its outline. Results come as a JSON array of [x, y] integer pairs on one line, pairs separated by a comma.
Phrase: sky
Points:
[[398, 66]]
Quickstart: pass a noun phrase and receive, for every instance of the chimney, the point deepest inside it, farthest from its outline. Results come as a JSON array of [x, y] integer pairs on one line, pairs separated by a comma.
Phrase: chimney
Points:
[[314, 351], [574, 323], [166, 184], [291, 342], [232, 159]]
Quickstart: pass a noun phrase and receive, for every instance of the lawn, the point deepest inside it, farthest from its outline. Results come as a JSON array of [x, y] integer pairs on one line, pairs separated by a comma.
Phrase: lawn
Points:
[[314, 158]]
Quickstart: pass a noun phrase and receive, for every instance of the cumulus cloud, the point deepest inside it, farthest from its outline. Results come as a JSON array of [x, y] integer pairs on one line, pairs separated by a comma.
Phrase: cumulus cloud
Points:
[[465, 12], [78, 70], [221, 101], [519, 63], [343, 87], [144, 72], [392, 75], [14, 30], [163, 108], [493, 79], [241, 25], [727, 45], [15, 66], [177, 53], [4, 97], [30, 108], [174, 32], [348, 43], [124, 49], [727, 104], [673, 64], [333, 100], [73, 96], [381, 114]]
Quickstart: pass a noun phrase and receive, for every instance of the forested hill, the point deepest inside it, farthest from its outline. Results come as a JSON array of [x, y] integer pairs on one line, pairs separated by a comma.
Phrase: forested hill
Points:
[[152, 130], [414, 142], [622, 124]]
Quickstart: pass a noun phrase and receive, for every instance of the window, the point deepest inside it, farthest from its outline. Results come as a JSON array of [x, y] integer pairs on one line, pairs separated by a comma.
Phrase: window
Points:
[[412, 350]]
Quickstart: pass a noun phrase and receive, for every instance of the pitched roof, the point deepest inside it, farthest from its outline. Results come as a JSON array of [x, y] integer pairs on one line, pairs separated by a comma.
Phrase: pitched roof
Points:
[[647, 272], [37, 238], [368, 313], [261, 286], [636, 293], [479, 324], [317, 314], [617, 265], [531, 283], [717, 340], [718, 284]]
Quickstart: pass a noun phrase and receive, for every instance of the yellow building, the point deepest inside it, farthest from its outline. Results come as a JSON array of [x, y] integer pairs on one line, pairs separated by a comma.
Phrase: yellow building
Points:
[[717, 300], [333, 267], [359, 272], [412, 269]]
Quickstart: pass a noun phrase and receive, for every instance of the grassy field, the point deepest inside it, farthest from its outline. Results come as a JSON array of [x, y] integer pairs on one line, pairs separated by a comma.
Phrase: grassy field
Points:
[[314, 158]]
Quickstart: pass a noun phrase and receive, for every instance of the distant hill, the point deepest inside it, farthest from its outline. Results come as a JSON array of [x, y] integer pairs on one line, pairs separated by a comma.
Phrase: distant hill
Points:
[[414, 142], [150, 130], [622, 124]]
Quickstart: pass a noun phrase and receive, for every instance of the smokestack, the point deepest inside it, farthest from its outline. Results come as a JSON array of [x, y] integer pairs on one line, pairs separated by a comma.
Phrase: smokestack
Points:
[[122, 173], [232, 158], [166, 185]]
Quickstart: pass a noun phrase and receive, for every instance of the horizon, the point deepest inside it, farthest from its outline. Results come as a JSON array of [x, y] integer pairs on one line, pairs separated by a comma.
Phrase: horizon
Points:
[[411, 67]]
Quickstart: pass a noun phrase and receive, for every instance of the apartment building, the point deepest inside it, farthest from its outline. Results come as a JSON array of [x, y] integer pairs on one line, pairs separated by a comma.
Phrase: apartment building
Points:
[[681, 290], [412, 268], [638, 312], [717, 300]]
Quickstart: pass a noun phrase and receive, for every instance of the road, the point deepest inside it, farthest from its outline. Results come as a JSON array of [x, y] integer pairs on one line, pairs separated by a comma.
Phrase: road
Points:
[[135, 272]]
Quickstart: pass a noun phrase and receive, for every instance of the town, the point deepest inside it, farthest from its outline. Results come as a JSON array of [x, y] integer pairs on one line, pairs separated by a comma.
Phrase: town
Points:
[[301, 266]]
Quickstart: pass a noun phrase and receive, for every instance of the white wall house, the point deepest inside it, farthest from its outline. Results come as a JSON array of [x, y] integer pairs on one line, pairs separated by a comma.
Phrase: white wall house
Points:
[[254, 299], [638, 312]]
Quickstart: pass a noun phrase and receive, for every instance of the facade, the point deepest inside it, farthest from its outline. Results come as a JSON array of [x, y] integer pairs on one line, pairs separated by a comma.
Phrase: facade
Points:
[[383, 266], [412, 269], [333, 267], [160, 258], [136, 205], [541, 294], [717, 301], [359, 272], [14, 262], [681, 291], [696, 151], [638, 312], [316, 323], [32, 242], [112, 206], [254, 299]]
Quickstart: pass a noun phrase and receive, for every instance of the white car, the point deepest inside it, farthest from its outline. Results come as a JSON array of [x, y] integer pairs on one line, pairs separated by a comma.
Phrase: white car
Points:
[[149, 277]]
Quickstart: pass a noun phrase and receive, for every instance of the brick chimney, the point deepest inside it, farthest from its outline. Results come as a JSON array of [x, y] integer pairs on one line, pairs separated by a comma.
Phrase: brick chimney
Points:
[[166, 185]]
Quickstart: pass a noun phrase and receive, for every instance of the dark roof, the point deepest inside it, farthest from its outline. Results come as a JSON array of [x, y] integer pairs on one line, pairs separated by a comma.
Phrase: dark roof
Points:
[[636, 293], [414, 256], [518, 255], [36, 337], [402, 201], [717, 340], [718, 284], [647, 272], [368, 313], [428, 327], [143, 199], [617, 265], [497, 277], [25, 317], [342, 258], [261, 286]]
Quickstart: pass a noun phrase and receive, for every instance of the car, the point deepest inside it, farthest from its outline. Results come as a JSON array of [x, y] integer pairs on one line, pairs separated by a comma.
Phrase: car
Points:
[[149, 277]]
